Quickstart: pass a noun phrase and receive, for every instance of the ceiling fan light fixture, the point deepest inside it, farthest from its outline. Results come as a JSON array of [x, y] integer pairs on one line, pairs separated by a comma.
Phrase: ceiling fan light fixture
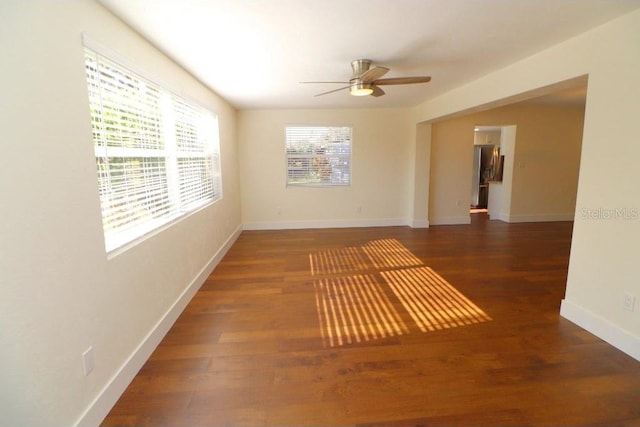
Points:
[[360, 89]]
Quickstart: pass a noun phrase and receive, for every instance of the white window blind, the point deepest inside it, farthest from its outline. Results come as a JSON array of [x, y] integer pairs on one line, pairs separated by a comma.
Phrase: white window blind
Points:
[[318, 155], [157, 155]]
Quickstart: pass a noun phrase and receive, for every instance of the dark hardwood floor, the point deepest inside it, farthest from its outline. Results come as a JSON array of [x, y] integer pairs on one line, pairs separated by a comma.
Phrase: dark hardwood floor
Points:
[[451, 325]]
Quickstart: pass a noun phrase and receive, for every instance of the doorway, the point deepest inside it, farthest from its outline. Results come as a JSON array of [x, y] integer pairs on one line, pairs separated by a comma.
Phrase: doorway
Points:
[[486, 166]]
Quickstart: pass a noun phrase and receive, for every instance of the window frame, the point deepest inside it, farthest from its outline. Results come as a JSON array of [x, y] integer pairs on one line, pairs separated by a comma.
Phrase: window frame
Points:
[[188, 135], [324, 161]]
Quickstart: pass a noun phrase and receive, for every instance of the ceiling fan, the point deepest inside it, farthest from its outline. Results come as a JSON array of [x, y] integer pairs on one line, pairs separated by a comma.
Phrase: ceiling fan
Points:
[[366, 79]]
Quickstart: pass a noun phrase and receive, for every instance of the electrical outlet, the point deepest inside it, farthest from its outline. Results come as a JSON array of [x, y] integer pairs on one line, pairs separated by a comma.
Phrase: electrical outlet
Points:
[[629, 301], [359, 209], [87, 361]]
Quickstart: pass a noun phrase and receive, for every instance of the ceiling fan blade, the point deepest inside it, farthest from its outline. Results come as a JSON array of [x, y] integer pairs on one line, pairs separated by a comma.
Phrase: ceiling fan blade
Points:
[[403, 80], [377, 91], [373, 74], [331, 91]]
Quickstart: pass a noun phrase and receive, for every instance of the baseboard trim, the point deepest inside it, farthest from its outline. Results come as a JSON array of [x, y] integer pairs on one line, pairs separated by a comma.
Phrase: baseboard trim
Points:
[[602, 328], [540, 218], [107, 398], [419, 223], [451, 220], [498, 217], [348, 223]]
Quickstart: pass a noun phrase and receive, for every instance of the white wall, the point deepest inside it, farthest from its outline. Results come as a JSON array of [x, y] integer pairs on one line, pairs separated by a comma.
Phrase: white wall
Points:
[[603, 264], [381, 171], [59, 293]]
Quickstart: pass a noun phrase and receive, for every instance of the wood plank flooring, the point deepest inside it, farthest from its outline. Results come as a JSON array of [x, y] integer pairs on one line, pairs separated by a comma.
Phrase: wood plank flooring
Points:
[[452, 325]]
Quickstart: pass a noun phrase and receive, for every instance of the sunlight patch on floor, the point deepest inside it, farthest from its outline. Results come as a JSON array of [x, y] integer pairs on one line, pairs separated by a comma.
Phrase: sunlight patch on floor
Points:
[[390, 253], [357, 308], [432, 302], [337, 261]]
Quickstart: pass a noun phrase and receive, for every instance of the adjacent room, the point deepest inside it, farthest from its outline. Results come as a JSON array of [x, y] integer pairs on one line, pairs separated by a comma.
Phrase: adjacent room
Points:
[[322, 212]]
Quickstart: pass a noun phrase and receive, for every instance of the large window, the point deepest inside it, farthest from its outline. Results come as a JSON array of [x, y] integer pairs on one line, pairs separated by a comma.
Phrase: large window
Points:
[[157, 155], [318, 155]]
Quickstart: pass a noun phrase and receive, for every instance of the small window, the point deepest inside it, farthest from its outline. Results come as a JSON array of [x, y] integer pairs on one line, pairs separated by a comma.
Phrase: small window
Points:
[[318, 155], [157, 155]]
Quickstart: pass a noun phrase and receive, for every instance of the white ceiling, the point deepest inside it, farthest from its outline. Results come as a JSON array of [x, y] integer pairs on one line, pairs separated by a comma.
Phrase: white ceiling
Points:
[[254, 53]]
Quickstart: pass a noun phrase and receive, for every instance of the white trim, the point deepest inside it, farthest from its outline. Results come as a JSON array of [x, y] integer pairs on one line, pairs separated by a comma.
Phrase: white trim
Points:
[[451, 220], [540, 218], [346, 223], [419, 223], [107, 398], [501, 216], [157, 229], [602, 328]]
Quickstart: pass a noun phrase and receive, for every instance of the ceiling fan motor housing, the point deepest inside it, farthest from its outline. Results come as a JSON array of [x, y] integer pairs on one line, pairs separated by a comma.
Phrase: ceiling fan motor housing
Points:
[[359, 66], [357, 86]]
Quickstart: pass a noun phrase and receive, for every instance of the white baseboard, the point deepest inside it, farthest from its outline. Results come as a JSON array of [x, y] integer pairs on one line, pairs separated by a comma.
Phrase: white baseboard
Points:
[[102, 404], [602, 328], [540, 218], [450, 220], [296, 225], [498, 217], [419, 223]]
